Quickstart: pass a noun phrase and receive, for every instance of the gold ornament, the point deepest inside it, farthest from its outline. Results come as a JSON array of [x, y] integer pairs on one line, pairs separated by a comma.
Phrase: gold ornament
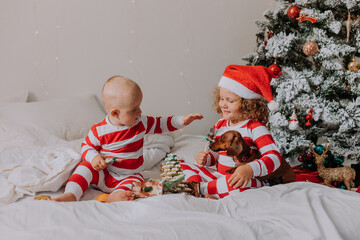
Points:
[[310, 48], [354, 65]]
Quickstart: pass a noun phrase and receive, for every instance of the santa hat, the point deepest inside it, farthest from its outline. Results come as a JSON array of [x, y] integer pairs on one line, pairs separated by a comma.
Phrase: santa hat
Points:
[[249, 82]]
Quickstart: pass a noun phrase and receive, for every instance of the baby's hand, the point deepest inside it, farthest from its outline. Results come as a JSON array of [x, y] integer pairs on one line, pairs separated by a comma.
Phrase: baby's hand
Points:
[[186, 120], [98, 163], [241, 176], [201, 159]]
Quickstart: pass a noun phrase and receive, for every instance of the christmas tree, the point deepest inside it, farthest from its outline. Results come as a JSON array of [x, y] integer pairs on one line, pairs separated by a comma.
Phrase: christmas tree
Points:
[[313, 48]]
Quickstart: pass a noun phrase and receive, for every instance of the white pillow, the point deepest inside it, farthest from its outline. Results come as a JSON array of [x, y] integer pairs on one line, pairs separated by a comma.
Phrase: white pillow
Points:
[[13, 96], [188, 146], [69, 118]]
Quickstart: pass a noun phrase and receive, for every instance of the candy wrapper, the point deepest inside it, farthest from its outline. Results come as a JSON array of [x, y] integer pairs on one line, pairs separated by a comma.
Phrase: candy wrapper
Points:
[[111, 160], [147, 189]]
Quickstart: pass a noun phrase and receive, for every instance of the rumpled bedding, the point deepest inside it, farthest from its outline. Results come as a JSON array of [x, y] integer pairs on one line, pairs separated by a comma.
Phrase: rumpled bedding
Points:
[[32, 160], [297, 210]]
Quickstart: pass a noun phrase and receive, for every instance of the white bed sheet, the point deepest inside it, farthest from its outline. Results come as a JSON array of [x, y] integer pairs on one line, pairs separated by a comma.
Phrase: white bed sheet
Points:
[[291, 211]]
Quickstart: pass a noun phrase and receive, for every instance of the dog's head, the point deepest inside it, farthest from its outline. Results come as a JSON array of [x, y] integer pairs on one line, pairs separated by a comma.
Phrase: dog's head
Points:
[[231, 142]]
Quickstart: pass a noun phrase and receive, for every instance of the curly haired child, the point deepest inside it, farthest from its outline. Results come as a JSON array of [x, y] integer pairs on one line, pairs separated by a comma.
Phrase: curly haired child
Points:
[[239, 99]]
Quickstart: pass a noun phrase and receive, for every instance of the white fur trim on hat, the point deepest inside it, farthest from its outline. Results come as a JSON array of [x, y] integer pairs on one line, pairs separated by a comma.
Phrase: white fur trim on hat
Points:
[[273, 106], [238, 88]]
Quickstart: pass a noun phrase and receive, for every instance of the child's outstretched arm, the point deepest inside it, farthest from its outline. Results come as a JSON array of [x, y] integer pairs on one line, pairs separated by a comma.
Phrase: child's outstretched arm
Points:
[[168, 124], [186, 120]]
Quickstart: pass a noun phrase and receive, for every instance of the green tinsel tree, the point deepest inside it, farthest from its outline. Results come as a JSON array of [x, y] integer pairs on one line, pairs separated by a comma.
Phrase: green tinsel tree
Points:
[[316, 43]]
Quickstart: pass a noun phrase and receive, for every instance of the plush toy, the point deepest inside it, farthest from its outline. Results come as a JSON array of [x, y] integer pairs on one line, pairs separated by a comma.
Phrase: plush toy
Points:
[[341, 174]]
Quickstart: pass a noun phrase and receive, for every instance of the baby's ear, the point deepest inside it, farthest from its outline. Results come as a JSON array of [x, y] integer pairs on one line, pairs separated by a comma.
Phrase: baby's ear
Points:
[[115, 113]]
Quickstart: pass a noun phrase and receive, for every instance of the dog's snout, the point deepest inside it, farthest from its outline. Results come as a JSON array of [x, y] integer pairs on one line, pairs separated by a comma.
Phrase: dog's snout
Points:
[[218, 145]]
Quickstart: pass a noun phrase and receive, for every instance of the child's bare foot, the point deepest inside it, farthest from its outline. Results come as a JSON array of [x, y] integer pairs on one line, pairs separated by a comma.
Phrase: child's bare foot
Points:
[[209, 196], [120, 196], [67, 197]]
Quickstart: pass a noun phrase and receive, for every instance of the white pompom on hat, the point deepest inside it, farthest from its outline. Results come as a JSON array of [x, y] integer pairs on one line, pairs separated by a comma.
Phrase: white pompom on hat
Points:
[[249, 82]]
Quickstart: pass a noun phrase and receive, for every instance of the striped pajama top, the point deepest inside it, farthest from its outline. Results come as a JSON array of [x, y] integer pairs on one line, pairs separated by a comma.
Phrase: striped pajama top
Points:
[[125, 142], [256, 135]]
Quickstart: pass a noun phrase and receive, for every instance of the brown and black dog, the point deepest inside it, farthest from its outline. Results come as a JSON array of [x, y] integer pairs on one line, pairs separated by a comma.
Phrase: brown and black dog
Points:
[[236, 147]]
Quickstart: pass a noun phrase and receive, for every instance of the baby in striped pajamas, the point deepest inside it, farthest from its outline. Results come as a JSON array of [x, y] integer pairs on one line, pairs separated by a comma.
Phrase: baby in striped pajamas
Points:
[[239, 99], [120, 136]]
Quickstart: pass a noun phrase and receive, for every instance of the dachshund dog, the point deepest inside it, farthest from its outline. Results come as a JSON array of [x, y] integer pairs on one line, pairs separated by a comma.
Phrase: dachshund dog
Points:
[[236, 147]]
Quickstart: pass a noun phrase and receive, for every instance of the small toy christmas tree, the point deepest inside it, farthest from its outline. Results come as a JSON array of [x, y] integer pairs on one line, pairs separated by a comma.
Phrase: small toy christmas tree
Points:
[[173, 178], [172, 181]]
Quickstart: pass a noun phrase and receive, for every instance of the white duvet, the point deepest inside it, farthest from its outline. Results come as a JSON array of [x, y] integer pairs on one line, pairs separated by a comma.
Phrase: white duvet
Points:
[[33, 160], [291, 211]]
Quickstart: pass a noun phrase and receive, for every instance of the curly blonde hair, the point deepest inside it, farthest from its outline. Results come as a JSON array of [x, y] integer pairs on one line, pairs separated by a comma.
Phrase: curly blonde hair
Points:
[[249, 108]]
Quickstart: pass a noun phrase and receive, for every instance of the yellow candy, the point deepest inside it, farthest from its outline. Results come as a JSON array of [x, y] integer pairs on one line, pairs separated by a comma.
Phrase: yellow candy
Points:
[[102, 197], [42, 197]]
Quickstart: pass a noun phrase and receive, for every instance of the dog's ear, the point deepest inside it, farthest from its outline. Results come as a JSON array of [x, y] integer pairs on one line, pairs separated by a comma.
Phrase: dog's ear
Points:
[[235, 147]]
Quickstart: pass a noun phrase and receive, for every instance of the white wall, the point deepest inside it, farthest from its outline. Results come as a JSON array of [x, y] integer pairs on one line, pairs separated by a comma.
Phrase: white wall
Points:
[[175, 49]]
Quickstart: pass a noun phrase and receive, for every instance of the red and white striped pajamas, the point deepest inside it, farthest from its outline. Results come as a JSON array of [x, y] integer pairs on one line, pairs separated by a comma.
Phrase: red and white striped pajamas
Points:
[[124, 142], [215, 182]]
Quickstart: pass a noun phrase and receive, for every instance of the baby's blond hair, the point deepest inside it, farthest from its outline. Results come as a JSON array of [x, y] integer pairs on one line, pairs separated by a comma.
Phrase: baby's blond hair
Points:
[[119, 90]]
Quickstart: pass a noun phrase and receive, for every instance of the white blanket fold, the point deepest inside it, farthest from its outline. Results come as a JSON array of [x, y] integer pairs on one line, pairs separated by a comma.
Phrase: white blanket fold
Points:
[[33, 160]]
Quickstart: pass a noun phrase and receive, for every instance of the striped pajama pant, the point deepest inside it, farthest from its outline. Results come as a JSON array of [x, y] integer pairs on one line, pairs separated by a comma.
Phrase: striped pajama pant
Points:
[[84, 176], [215, 183]]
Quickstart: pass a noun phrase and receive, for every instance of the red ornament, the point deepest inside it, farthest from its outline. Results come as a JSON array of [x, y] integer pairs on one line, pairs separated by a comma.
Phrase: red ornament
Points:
[[308, 157], [293, 12], [301, 158], [276, 70], [309, 117], [269, 33], [267, 38]]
